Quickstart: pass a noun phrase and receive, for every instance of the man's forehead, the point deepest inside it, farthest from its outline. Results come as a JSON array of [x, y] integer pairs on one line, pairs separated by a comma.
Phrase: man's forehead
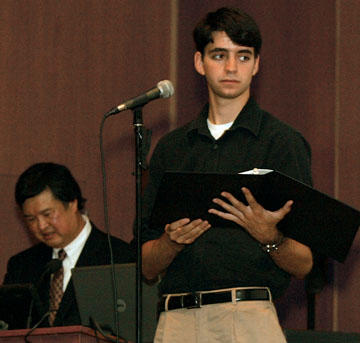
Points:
[[40, 202], [221, 41], [238, 49]]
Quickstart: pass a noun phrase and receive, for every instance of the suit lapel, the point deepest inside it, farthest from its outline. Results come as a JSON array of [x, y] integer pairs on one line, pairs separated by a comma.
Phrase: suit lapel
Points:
[[89, 255]]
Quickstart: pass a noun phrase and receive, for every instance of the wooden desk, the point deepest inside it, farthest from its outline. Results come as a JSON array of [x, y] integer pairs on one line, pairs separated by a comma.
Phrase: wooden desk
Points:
[[64, 334]]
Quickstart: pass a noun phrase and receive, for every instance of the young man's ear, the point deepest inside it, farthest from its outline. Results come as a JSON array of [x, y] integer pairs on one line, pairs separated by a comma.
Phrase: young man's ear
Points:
[[256, 66], [198, 63]]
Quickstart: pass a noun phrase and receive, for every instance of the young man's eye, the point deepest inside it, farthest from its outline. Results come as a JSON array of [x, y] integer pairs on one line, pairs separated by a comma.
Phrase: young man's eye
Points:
[[218, 56], [244, 58]]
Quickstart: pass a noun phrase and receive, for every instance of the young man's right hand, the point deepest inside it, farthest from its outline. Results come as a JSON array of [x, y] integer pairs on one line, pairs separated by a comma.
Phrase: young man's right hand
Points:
[[184, 231]]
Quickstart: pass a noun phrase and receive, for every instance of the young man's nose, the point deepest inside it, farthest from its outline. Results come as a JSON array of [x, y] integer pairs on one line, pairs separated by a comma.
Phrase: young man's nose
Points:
[[231, 64]]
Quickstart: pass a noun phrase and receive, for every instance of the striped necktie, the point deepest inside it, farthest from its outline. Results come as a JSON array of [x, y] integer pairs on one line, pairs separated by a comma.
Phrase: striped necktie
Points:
[[56, 289]]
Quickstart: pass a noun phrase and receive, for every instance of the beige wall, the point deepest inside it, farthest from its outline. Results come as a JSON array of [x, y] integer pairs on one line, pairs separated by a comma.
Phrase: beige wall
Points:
[[63, 64]]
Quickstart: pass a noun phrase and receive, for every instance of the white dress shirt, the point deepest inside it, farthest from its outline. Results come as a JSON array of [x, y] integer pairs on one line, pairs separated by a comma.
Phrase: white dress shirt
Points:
[[73, 251]]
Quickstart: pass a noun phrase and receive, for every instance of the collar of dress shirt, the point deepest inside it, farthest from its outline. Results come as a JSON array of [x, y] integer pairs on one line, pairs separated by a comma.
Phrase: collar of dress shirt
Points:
[[73, 250]]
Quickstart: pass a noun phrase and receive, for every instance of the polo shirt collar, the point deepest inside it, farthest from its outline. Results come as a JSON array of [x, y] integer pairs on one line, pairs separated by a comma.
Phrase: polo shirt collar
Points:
[[249, 118]]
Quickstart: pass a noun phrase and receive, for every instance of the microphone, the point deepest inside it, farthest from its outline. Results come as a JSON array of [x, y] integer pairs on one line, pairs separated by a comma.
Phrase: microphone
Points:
[[164, 89], [3, 325], [51, 267]]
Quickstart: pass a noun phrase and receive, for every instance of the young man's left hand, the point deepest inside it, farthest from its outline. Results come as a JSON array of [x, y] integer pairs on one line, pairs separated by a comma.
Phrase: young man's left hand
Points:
[[259, 222]]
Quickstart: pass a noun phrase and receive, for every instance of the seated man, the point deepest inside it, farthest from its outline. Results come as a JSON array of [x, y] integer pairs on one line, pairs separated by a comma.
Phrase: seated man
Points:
[[53, 209]]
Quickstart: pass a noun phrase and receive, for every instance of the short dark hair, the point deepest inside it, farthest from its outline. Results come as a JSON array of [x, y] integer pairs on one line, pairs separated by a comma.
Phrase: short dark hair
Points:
[[41, 176], [238, 25]]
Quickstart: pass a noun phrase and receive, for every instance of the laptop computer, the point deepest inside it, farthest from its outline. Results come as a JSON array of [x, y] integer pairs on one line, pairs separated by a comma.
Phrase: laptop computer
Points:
[[16, 301], [95, 298]]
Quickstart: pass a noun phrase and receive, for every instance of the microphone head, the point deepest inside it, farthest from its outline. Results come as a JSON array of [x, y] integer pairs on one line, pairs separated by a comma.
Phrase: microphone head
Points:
[[166, 88], [54, 265], [51, 267]]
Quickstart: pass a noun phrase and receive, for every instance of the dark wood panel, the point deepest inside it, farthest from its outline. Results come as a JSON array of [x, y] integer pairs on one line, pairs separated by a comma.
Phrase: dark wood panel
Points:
[[63, 65]]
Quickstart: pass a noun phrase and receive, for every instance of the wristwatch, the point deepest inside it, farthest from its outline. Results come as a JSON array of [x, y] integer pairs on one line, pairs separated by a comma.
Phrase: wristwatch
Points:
[[273, 246]]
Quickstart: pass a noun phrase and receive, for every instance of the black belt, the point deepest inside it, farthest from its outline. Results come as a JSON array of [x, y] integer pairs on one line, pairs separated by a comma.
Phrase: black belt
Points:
[[195, 300]]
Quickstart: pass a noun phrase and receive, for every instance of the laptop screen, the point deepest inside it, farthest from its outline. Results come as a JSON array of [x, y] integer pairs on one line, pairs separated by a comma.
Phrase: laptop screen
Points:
[[17, 302], [95, 298]]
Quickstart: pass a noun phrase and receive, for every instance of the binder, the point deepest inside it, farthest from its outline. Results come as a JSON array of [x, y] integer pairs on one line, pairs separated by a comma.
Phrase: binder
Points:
[[317, 220]]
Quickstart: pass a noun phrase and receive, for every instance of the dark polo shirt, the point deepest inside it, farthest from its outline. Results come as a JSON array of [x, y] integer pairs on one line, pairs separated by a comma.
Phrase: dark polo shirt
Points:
[[226, 256]]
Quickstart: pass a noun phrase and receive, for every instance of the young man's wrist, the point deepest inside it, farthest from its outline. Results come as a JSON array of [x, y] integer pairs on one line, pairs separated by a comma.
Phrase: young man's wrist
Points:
[[275, 244]]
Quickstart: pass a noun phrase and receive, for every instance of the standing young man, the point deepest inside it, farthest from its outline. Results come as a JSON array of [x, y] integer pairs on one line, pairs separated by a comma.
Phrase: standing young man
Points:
[[218, 282]]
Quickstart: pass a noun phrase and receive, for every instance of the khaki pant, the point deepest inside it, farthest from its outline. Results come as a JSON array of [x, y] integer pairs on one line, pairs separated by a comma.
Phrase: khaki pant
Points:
[[241, 322]]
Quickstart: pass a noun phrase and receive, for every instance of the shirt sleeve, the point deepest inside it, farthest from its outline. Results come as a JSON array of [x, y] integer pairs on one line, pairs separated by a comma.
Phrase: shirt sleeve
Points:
[[292, 156]]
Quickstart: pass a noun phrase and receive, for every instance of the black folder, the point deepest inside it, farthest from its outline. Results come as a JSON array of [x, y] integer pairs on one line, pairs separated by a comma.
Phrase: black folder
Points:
[[325, 224]]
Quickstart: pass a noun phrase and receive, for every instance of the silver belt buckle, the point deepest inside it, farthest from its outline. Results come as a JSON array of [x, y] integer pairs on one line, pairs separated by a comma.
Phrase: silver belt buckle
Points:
[[197, 298]]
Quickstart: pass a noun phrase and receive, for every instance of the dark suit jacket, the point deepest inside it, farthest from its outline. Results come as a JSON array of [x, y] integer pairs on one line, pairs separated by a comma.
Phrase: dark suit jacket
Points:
[[29, 265]]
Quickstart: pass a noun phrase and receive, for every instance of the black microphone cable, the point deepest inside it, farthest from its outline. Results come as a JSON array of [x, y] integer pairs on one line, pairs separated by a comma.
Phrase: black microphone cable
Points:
[[147, 141], [107, 229], [164, 89], [45, 315], [108, 337]]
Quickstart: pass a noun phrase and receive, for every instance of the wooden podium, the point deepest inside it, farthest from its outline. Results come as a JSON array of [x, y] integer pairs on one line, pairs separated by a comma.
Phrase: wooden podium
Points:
[[63, 334]]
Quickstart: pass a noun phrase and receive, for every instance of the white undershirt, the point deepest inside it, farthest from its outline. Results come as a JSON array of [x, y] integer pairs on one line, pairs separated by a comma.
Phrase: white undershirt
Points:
[[73, 251], [217, 130]]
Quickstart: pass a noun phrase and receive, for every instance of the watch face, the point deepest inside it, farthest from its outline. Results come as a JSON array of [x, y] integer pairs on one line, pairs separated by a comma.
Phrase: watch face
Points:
[[273, 246]]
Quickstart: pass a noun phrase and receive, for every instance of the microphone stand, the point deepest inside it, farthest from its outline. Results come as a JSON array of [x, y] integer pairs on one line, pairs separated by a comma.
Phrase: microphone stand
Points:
[[138, 131], [140, 163]]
